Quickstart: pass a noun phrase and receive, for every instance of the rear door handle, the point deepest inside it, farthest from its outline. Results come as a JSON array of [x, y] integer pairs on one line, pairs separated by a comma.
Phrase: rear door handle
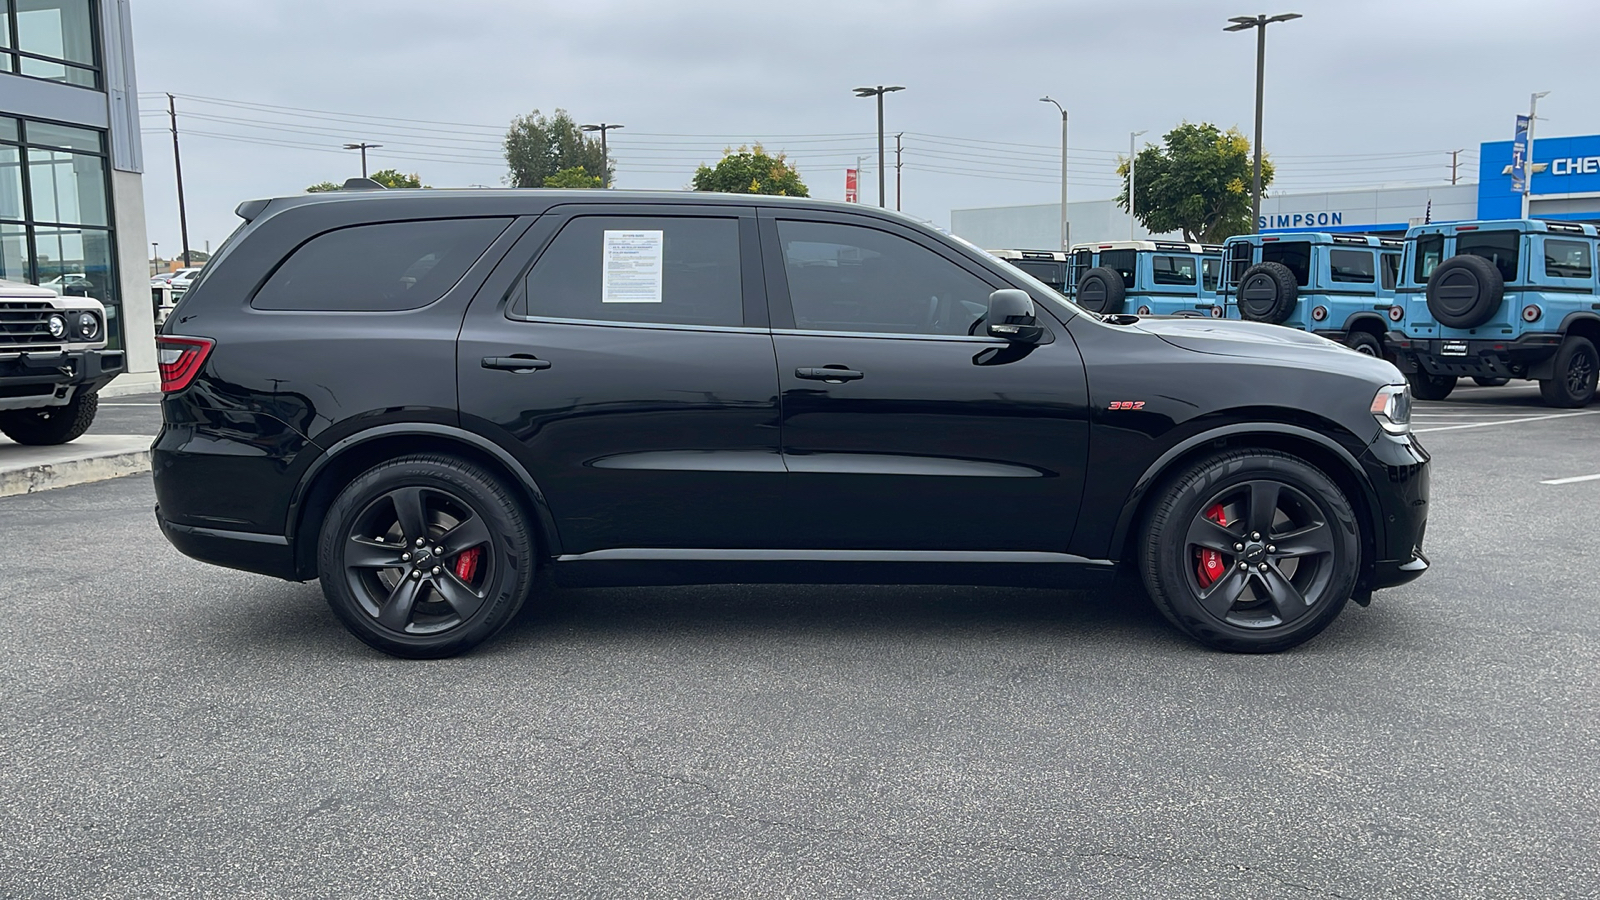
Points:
[[828, 373], [522, 363]]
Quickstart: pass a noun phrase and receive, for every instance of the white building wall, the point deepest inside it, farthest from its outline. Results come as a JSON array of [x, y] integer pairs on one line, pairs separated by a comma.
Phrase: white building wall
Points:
[[1039, 227]]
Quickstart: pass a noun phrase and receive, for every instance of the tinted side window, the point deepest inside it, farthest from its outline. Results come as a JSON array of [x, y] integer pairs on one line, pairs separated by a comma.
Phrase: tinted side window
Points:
[[1172, 269], [1567, 259], [378, 268], [1294, 254], [1430, 252], [853, 278], [1122, 261], [1498, 247], [1210, 272], [644, 269], [1051, 273], [1391, 270], [1351, 266]]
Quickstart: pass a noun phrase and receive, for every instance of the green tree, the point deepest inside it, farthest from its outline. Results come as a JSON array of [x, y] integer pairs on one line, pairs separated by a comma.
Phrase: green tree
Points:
[[538, 147], [574, 177], [322, 187], [1198, 183], [751, 171], [389, 178]]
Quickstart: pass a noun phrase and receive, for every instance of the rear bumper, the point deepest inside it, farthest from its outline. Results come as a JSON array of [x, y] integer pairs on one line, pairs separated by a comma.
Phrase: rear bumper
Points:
[[1529, 356], [264, 554]]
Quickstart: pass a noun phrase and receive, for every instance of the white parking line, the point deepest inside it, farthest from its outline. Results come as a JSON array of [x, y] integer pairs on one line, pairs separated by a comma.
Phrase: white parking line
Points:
[[1571, 415], [145, 405], [1573, 480]]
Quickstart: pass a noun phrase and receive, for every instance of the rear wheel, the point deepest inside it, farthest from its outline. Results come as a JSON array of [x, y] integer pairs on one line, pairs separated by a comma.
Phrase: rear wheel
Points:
[[52, 424], [1364, 343], [1431, 387], [1252, 551], [1576, 368], [1490, 381], [425, 556]]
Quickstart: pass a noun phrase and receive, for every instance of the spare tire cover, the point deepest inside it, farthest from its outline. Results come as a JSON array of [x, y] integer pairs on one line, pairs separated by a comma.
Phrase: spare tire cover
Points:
[[1465, 291], [1101, 290], [1268, 293]]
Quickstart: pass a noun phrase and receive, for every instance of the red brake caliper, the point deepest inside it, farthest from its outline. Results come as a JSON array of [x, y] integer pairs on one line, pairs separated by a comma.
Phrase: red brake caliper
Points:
[[1211, 565], [467, 564]]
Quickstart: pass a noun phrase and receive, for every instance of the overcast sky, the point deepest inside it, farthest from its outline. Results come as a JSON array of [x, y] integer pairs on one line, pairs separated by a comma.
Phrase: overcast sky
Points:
[[1359, 92]]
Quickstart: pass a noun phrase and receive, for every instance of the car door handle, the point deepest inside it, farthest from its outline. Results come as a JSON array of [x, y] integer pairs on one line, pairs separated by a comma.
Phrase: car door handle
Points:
[[828, 373], [515, 363]]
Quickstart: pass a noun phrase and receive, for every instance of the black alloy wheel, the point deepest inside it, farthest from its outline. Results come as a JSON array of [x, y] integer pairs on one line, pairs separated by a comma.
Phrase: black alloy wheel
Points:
[[1577, 368], [425, 556], [1251, 551]]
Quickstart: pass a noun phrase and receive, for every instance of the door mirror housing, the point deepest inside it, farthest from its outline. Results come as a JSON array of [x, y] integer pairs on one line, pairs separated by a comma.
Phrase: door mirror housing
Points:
[[1011, 317]]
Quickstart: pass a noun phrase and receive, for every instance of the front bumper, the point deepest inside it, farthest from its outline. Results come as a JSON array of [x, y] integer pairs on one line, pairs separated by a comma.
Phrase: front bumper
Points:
[[1529, 356], [1399, 473], [34, 379]]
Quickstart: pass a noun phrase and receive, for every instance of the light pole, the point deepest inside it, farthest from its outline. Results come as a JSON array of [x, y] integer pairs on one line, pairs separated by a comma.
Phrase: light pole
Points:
[[363, 147], [1064, 233], [605, 157], [1132, 222], [155, 257], [1260, 23], [878, 92], [1527, 177]]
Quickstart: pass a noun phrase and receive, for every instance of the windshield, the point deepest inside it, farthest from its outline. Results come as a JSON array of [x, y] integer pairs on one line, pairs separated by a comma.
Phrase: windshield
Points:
[[1049, 292]]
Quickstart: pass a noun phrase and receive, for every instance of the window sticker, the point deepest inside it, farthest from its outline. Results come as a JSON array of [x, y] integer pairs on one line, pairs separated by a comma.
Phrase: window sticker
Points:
[[632, 267]]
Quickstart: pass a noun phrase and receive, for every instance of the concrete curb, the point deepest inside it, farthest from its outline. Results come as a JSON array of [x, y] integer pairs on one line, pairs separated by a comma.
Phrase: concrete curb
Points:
[[132, 383], [27, 470]]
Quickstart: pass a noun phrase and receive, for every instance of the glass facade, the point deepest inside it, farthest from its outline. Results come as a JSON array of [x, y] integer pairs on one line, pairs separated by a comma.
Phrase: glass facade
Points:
[[53, 40], [55, 212]]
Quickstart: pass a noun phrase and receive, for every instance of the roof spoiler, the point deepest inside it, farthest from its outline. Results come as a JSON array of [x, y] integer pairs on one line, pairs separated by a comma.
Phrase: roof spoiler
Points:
[[361, 184], [249, 209]]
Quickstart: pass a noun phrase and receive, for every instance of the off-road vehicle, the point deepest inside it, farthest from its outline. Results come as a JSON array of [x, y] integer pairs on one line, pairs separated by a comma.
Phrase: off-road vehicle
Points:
[[53, 363]]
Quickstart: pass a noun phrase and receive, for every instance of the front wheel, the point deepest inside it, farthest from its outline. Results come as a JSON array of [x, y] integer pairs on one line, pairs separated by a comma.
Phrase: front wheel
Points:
[[1251, 551], [1431, 387], [425, 556], [1576, 370], [52, 424]]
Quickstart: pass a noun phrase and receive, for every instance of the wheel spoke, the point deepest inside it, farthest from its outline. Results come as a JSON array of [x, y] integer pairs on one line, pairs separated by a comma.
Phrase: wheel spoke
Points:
[[1204, 532], [1286, 598], [395, 613], [1220, 597], [1263, 506], [410, 510], [460, 597], [465, 536], [362, 553], [1312, 540]]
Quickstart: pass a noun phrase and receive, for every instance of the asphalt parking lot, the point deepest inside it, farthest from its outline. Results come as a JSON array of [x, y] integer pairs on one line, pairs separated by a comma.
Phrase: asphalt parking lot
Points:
[[173, 729]]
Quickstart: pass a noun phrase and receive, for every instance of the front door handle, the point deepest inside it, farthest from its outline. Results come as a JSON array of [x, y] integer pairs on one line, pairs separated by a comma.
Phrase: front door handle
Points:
[[834, 374], [520, 363]]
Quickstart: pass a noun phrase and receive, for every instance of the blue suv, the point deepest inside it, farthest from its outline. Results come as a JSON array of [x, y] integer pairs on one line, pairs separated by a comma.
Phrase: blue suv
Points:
[[1150, 278], [1495, 300], [1339, 286]]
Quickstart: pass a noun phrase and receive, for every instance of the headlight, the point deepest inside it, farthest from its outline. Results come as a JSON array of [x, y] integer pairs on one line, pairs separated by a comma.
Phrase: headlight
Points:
[[1392, 408], [57, 325], [88, 326]]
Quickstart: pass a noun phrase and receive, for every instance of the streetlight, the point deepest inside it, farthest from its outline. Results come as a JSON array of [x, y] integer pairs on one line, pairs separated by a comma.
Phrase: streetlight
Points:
[[1527, 177], [605, 158], [1046, 99], [1132, 222], [155, 257], [363, 147], [1260, 23], [878, 92]]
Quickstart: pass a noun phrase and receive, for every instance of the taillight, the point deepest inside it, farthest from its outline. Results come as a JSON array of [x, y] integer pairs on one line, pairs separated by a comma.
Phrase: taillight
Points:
[[1531, 313], [179, 359], [1396, 313], [1319, 313]]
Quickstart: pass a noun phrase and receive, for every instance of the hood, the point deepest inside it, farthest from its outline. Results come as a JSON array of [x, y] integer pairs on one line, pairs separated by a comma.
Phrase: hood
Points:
[[1257, 340]]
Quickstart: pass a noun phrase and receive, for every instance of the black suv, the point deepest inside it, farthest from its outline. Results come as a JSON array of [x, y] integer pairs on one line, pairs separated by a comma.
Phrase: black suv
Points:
[[424, 397]]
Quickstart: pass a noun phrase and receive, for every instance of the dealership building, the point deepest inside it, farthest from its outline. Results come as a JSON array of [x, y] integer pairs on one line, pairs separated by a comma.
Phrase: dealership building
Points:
[[1566, 185], [71, 198]]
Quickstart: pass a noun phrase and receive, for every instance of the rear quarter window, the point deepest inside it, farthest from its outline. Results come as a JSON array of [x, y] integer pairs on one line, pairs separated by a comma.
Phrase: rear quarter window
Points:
[[382, 267], [1351, 266], [1567, 259]]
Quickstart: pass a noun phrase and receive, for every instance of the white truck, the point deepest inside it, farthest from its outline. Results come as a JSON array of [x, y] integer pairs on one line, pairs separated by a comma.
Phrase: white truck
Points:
[[53, 363]]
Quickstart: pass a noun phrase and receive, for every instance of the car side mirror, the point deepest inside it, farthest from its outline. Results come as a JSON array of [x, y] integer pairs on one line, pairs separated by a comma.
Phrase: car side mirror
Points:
[[1011, 317]]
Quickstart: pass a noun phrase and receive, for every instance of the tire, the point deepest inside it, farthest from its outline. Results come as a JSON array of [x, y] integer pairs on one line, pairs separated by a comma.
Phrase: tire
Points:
[[1490, 382], [1101, 290], [1464, 291], [1431, 387], [1364, 343], [52, 424], [1576, 368], [1273, 594], [1267, 293], [366, 556]]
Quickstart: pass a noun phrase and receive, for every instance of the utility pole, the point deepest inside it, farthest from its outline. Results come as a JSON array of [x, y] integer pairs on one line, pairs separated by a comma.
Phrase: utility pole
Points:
[[1133, 223], [897, 170], [177, 164], [605, 156], [1454, 155], [155, 257], [1065, 235], [363, 147], [1527, 178], [878, 92], [1260, 23]]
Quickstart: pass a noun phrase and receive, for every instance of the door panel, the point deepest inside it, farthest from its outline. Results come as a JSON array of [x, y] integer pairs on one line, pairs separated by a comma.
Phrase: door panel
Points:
[[654, 433]]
